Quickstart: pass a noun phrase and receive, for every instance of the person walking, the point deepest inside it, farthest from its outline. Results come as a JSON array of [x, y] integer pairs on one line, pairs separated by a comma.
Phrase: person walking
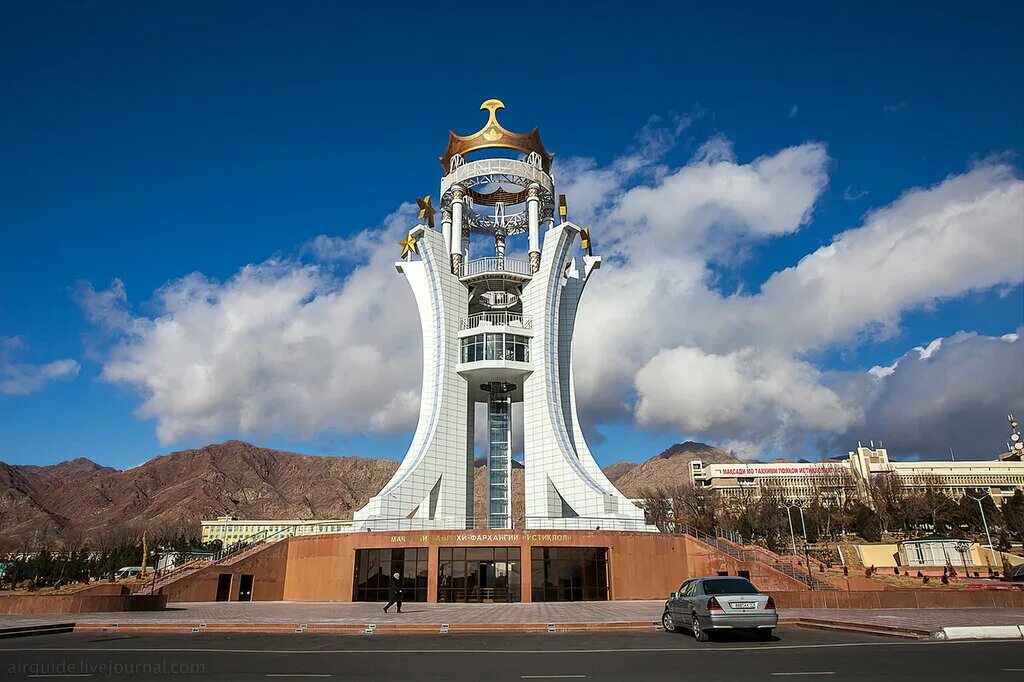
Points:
[[395, 592]]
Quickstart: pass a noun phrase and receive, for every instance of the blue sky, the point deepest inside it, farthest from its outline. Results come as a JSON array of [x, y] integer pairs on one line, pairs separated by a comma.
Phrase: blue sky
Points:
[[145, 143]]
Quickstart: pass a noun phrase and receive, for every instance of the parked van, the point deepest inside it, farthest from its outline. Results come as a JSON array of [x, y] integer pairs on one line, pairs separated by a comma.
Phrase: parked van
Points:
[[126, 572]]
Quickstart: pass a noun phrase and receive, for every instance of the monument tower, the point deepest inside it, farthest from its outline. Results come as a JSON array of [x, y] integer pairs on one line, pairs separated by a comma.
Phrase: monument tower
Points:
[[498, 329]]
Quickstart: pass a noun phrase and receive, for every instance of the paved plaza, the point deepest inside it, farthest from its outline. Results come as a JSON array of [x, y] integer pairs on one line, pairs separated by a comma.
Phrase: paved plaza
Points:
[[255, 613], [364, 612]]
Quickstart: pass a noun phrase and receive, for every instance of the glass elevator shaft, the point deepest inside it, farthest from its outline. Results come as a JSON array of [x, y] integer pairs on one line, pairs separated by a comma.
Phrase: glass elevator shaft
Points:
[[499, 456]]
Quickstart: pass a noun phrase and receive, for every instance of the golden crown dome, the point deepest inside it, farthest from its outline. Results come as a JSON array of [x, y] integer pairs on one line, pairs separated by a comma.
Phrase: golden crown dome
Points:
[[494, 135]]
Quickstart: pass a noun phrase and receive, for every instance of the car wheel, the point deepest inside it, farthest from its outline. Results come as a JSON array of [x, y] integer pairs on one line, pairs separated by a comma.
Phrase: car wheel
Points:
[[667, 622], [699, 633], [763, 634]]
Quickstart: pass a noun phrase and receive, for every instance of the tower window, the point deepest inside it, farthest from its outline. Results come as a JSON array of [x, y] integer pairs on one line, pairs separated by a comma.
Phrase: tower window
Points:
[[510, 347]]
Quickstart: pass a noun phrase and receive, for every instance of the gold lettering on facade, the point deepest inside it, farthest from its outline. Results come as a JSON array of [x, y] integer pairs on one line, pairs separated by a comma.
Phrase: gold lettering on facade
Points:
[[497, 538]]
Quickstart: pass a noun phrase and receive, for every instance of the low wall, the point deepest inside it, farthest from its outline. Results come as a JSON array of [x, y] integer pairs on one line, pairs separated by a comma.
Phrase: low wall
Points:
[[79, 603], [899, 599], [267, 566], [855, 584]]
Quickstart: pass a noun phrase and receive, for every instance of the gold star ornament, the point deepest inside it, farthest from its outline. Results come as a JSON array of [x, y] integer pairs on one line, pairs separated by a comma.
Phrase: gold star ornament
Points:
[[585, 241], [426, 210], [408, 246]]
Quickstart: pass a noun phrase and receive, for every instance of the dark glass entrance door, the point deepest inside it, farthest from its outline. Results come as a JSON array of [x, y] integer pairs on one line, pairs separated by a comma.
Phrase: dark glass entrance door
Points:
[[487, 571], [245, 588], [478, 574], [224, 587]]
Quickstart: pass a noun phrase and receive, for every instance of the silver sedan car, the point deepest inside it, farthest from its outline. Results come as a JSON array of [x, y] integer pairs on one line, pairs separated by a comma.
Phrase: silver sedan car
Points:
[[704, 605]]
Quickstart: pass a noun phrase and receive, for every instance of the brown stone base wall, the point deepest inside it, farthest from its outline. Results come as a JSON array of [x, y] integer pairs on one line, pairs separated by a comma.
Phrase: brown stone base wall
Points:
[[640, 565], [899, 599], [73, 603], [267, 567], [705, 560]]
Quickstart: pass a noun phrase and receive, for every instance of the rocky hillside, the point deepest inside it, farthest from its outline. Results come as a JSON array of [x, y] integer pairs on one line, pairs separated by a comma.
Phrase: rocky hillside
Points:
[[182, 487], [616, 471], [667, 468], [480, 489], [81, 498]]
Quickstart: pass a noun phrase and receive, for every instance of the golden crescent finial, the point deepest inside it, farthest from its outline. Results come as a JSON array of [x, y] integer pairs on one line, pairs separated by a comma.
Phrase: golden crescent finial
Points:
[[492, 106], [493, 135]]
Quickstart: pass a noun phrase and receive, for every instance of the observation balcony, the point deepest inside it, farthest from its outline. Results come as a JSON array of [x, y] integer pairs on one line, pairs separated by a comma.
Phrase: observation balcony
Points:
[[483, 268], [501, 319]]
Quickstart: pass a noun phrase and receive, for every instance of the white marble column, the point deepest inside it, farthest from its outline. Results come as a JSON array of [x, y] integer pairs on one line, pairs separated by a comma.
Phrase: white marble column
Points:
[[533, 212], [458, 199], [446, 229]]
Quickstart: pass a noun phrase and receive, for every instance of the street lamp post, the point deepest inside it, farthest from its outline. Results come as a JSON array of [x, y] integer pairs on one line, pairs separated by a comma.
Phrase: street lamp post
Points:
[[981, 507], [789, 516], [807, 562], [803, 525]]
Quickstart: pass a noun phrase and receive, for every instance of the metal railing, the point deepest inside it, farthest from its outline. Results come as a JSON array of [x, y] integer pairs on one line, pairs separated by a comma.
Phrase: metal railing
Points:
[[499, 319], [727, 546], [256, 538], [495, 264], [229, 553]]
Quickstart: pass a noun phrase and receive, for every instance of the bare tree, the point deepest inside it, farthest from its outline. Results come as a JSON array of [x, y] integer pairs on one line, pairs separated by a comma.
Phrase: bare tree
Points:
[[693, 506], [657, 508], [888, 498], [830, 490], [930, 503]]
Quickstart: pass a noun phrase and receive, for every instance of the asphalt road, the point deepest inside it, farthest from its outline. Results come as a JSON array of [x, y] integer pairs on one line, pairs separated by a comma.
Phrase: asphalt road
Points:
[[805, 654]]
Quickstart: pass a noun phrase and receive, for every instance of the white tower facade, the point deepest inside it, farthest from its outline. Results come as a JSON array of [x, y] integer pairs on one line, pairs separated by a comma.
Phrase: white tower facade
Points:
[[498, 330]]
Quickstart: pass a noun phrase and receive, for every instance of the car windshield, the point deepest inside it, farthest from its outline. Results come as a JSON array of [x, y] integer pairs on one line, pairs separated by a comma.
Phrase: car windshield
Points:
[[729, 586]]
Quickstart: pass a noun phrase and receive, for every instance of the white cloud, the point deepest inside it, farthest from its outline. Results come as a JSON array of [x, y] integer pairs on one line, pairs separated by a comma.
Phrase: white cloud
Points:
[[740, 395], [955, 392], [713, 204], [926, 352], [659, 238], [24, 378], [932, 243], [282, 346]]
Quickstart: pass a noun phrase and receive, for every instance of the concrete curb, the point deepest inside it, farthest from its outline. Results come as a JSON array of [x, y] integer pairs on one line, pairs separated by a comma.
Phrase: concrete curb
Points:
[[35, 630], [372, 628], [981, 632], [861, 628]]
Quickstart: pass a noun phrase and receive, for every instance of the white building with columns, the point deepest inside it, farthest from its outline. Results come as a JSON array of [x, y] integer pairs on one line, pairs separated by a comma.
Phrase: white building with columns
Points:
[[1000, 477], [497, 329]]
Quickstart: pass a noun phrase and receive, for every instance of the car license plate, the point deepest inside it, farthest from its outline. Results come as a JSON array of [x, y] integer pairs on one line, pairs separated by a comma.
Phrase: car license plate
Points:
[[743, 604]]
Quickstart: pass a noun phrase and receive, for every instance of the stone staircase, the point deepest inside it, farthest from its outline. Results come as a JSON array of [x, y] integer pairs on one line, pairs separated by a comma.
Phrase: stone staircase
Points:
[[760, 555], [174, 575], [226, 557]]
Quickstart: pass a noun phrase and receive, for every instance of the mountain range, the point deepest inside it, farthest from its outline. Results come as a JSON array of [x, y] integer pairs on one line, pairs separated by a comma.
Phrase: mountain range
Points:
[[82, 499]]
